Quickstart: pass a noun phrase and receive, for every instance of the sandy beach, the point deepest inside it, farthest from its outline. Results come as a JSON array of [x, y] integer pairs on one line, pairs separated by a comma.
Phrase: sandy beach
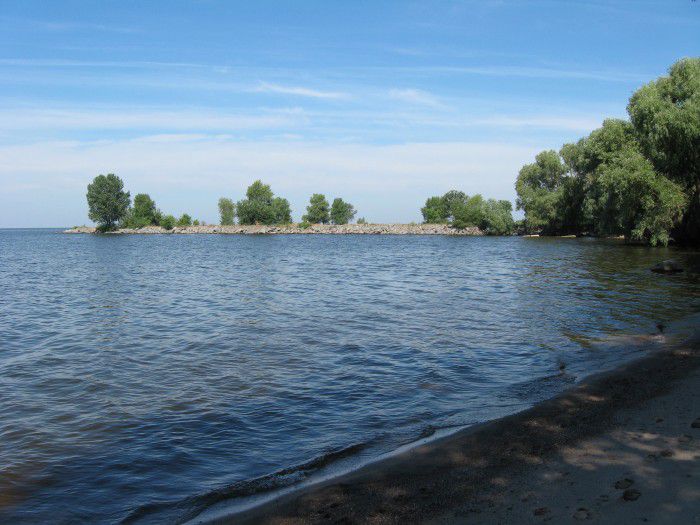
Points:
[[621, 447]]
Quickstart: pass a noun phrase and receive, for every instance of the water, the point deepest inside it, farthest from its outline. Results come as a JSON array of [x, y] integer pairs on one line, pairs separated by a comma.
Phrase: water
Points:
[[144, 378]]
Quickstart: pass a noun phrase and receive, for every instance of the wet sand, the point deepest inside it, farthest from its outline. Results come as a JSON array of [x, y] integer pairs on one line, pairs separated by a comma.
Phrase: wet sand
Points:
[[618, 448]]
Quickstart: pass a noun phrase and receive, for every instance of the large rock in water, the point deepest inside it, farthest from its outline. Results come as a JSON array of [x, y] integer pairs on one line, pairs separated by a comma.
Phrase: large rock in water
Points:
[[668, 266]]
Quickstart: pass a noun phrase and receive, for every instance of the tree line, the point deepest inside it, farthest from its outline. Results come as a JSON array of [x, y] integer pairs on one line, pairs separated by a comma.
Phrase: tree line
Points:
[[110, 206], [639, 178], [493, 217], [262, 207]]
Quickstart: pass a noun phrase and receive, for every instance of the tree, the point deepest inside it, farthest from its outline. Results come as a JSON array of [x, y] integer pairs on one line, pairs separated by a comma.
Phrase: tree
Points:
[[281, 211], [168, 222], [538, 188], [317, 212], [497, 217], [227, 211], [666, 117], [434, 211], [631, 199], [342, 212], [467, 211], [107, 201], [184, 220], [261, 207], [143, 213]]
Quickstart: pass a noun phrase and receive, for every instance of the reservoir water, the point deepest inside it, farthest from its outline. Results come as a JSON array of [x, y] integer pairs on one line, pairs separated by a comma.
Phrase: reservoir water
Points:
[[145, 378]]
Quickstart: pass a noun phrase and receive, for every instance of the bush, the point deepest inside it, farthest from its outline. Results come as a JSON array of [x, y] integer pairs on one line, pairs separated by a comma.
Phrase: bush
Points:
[[168, 222], [184, 220], [195, 222], [303, 225], [361, 220]]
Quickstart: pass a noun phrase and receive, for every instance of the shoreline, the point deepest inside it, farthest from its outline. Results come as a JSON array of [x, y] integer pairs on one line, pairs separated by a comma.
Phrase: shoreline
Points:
[[465, 476], [293, 229]]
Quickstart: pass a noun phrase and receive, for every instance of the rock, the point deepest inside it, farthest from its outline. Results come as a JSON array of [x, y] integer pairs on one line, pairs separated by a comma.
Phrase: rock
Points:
[[685, 438], [666, 453], [541, 511], [623, 483], [582, 514], [696, 423], [667, 266], [631, 495]]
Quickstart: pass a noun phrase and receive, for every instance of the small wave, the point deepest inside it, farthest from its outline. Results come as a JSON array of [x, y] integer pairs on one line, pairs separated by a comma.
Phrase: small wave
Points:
[[188, 508]]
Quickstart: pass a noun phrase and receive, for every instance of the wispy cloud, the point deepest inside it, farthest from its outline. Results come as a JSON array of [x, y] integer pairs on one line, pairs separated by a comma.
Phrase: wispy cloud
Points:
[[266, 87], [416, 96], [65, 26]]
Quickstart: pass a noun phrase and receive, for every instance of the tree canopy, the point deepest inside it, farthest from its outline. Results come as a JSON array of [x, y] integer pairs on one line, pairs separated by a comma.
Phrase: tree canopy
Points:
[[640, 179], [461, 211], [108, 203], [261, 206], [318, 210], [342, 212], [227, 211]]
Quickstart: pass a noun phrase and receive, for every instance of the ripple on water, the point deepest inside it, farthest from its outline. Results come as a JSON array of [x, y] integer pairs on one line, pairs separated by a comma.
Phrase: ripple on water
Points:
[[146, 378]]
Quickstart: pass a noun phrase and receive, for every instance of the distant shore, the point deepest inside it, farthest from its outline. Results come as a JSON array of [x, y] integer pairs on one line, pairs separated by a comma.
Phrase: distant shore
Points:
[[295, 229], [621, 446]]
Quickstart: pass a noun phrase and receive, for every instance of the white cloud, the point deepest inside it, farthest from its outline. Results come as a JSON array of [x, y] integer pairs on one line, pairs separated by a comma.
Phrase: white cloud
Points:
[[416, 96], [385, 182], [266, 87]]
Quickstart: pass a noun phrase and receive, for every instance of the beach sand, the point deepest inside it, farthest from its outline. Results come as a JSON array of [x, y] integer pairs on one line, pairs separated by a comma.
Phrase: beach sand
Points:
[[620, 447]]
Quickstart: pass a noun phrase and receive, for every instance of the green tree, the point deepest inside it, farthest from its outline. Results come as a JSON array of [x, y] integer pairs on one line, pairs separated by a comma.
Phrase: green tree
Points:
[[184, 220], [342, 212], [361, 220], [317, 212], [227, 211], [168, 222], [538, 187], [497, 217], [666, 116], [261, 207], [143, 213], [467, 211], [631, 199], [281, 211], [107, 201], [434, 211]]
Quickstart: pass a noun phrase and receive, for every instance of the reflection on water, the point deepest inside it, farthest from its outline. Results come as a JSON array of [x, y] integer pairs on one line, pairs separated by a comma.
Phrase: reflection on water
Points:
[[149, 377]]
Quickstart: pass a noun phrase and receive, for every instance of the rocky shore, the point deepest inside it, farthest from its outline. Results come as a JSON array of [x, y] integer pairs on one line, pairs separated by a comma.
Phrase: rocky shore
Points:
[[295, 229]]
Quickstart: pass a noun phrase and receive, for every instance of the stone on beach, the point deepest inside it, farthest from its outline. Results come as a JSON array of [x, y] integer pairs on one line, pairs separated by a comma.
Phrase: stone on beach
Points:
[[667, 266]]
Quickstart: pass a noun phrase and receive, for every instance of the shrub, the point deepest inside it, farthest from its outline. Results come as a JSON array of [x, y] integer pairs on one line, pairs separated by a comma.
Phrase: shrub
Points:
[[168, 222], [227, 211], [342, 212], [184, 220], [317, 212]]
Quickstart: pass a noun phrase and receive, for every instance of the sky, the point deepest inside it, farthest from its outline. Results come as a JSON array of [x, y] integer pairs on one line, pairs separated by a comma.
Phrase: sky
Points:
[[381, 103]]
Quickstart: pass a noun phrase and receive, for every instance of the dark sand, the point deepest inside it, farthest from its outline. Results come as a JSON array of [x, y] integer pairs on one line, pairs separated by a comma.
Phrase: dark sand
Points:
[[557, 462]]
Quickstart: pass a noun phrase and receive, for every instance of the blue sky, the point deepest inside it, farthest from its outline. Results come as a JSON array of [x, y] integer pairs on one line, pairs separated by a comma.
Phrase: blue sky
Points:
[[382, 103]]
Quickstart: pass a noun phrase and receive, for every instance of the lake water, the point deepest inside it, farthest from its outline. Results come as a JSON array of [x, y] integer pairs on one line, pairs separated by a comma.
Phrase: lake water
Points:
[[145, 378]]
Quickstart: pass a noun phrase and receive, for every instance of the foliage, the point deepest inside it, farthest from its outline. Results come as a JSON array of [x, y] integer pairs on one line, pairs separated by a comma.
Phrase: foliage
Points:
[[631, 199], [227, 211], [195, 222], [666, 116], [184, 220], [261, 206], [281, 211], [640, 179], [361, 220], [497, 217], [303, 225], [434, 211], [107, 201], [538, 188], [342, 212], [168, 222], [143, 213], [317, 212]]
